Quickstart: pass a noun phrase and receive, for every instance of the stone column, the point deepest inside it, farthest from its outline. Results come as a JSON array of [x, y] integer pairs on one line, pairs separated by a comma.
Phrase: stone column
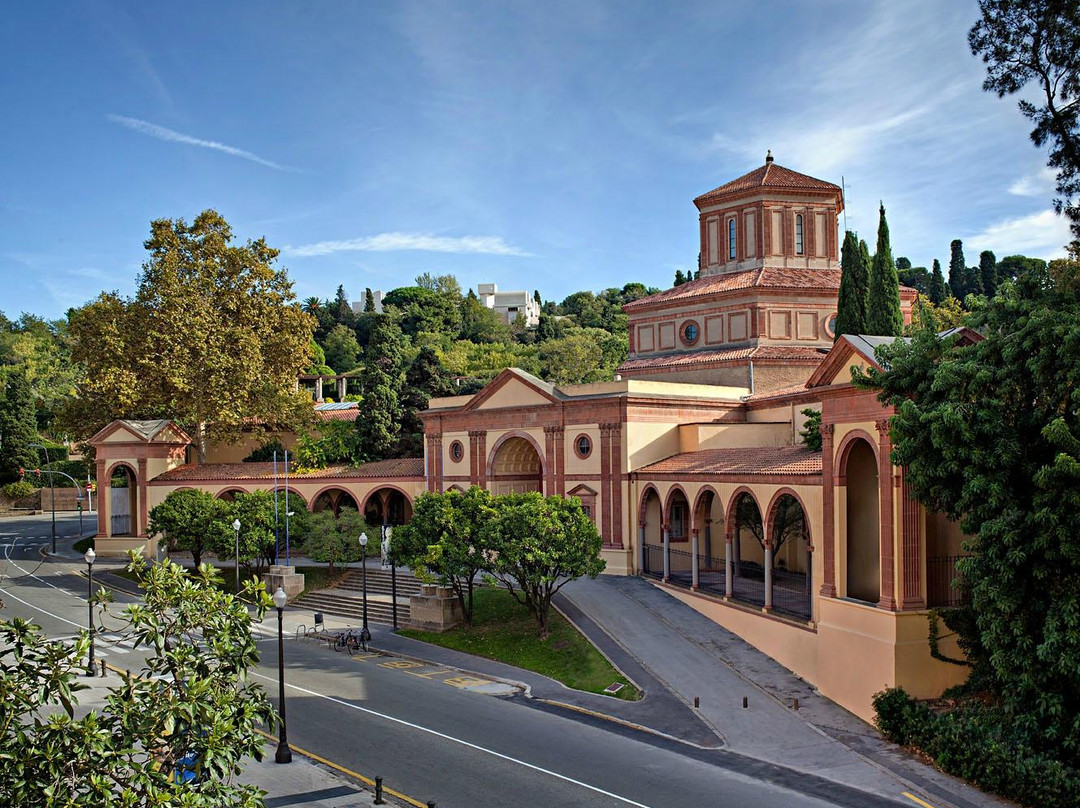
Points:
[[885, 485], [694, 559], [104, 501], [616, 486], [318, 390], [342, 382], [912, 597], [768, 575], [828, 512], [641, 546], [560, 461], [708, 538], [481, 456], [549, 459], [667, 551], [142, 524]]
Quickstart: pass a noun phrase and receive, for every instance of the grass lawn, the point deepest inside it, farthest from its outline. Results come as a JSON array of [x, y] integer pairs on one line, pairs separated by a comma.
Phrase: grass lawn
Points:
[[505, 631], [82, 545], [314, 578]]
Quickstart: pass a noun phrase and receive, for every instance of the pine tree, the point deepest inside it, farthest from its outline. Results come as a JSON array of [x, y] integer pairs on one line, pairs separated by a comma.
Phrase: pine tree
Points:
[[680, 278], [854, 285], [883, 315], [18, 425], [988, 272], [377, 431], [957, 270], [536, 297], [903, 263], [938, 291], [369, 300]]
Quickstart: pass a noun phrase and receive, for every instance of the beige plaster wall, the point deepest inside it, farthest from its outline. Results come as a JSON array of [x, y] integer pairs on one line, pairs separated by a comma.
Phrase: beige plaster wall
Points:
[[647, 442], [235, 453], [693, 437]]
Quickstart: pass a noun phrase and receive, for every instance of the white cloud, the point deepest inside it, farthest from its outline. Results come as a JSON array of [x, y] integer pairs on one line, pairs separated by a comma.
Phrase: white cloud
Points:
[[161, 133], [1039, 183], [388, 242], [1039, 235]]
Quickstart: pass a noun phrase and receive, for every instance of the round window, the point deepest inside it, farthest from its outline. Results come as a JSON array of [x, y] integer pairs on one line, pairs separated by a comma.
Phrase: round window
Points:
[[830, 325], [690, 332], [457, 451], [583, 446]]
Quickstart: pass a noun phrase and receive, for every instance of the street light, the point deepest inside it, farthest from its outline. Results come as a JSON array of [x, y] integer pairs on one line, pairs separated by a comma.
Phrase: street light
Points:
[[236, 527], [52, 490], [284, 753], [363, 560], [89, 556]]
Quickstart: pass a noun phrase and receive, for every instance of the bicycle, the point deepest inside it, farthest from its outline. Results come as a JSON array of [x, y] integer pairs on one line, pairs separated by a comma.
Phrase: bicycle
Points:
[[352, 640]]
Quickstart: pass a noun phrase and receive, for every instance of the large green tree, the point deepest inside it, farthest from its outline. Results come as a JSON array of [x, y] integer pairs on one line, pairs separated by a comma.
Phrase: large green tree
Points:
[[1034, 43], [335, 540], [538, 544], [883, 315], [957, 270], [938, 291], [194, 520], [341, 349], [446, 537], [425, 379], [988, 272], [381, 379], [990, 435], [18, 424], [854, 286], [194, 696], [212, 338]]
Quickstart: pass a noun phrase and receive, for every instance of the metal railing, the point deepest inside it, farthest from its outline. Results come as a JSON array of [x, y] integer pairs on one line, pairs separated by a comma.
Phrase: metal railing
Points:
[[941, 575]]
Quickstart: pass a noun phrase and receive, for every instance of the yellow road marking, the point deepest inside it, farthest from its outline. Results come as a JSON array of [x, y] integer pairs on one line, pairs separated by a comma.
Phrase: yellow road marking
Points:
[[915, 799], [361, 657], [430, 674], [401, 664], [465, 681]]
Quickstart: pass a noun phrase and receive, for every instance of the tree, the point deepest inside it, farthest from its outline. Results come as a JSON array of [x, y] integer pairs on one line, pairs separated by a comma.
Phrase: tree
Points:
[[213, 338], [572, 359], [1026, 42], [377, 432], [883, 315], [193, 696], [916, 278], [957, 270], [424, 380], [811, 431], [988, 272], [973, 281], [18, 425], [342, 309], [446, 537], [537, 545], [536, 297], [903, 263], [680, 278], [1012, 267], [336, 540], [192, 519], [938, 292], [854, 286], [990, 435], [948, 314], [481, 324], [255, 511], [369, 301], [342, 351]]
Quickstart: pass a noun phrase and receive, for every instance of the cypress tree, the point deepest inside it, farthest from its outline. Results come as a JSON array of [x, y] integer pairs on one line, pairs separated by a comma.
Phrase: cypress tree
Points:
[[369, 300], [680, 278], [938, 292], [988, 272], [957, 270], [377, 431], [18, 425], [883, 315], [973, 284], [854, 285]]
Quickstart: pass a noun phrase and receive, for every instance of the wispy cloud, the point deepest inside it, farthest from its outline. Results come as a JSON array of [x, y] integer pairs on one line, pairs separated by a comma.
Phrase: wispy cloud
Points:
[[389, 242], [1040, 235], [171, 136], [1038, 183]]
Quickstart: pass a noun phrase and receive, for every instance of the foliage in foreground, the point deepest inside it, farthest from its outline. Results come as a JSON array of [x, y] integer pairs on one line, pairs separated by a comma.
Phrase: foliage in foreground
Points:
[[980, 745], [193, 695]]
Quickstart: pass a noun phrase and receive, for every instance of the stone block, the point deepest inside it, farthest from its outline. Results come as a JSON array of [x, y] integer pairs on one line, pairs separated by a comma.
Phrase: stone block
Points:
[[436, 608], [285, 577]]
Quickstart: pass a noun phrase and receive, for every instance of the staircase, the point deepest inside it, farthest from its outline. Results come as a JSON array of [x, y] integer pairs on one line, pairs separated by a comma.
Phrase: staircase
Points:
[[347, 600]]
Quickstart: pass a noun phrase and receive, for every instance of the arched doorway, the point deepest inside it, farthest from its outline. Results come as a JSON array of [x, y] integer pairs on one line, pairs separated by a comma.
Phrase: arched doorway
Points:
[[229, 494], [333, 499], [387, 506], [863, 535], [747, 533], [516, 468], [791, 564], [123, 501], [680, 560], [650, 533], [708, 517]]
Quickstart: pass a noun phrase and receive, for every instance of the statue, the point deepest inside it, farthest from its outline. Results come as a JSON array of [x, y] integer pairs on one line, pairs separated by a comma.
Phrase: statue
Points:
[[386, 547]]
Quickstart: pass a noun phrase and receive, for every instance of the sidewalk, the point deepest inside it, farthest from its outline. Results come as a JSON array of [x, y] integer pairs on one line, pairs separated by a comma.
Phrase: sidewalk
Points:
[[694, 657]]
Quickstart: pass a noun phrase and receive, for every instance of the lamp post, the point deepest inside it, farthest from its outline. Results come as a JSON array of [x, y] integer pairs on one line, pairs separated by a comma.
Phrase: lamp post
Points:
[[236, 527], [52, 490], [89, 556], [363, 560], [284, 753]]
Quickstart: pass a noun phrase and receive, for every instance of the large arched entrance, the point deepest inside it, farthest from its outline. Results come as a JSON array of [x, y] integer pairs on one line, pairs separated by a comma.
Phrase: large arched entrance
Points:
[[680, 560], [333, 499], [123, 501], [747, 532], [651, 533], [791, 565], [516, 468], [708, 516], [387, 506], [863, 534]]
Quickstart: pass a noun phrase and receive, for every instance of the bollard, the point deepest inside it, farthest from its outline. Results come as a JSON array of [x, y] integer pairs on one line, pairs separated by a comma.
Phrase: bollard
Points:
[[745, 702], [103, 669], [795, 704], [431, 804], [697, 702], [378, 791]]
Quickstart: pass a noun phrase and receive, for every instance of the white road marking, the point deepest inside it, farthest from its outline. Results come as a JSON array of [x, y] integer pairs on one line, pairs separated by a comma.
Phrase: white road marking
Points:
[[452, 739]]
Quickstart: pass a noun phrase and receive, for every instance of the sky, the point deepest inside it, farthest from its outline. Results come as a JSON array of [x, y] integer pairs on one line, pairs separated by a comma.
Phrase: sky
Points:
[[552, 145]]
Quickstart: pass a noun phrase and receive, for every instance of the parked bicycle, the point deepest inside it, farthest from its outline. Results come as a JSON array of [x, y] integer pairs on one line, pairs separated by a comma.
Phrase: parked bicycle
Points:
[[352, 640]]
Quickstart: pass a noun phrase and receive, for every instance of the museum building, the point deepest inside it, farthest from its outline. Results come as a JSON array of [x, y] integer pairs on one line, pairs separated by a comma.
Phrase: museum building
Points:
[[690, 461]]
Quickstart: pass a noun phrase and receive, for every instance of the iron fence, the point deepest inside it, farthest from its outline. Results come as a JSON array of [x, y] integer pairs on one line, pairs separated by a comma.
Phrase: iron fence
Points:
[[941, 575], [791, 592], [653, 561], [121, 524]]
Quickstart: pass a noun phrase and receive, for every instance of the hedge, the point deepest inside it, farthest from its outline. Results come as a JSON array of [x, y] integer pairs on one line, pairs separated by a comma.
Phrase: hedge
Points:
[[980, 745]]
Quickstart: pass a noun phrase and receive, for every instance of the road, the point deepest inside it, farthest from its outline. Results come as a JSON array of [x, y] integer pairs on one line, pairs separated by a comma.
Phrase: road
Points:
[[430, 738]]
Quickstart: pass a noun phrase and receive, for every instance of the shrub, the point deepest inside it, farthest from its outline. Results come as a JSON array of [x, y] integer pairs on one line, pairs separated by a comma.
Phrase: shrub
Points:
[[265, 453], [18, 490]]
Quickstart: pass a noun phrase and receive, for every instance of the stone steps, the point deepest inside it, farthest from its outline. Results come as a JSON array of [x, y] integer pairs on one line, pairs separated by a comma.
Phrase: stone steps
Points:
[[331, 601]]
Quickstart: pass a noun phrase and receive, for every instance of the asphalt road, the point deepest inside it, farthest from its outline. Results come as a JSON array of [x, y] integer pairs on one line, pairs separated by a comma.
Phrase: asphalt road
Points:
[[430, 738]]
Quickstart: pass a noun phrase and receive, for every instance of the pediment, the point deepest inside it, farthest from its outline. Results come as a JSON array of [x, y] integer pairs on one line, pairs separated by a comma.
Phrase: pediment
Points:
[[581, 491], [514, 388], [837, 365], [123, 431]]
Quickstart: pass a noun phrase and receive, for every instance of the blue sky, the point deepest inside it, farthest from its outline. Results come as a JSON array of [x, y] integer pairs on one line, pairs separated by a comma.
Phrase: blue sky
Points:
[[553, 145]]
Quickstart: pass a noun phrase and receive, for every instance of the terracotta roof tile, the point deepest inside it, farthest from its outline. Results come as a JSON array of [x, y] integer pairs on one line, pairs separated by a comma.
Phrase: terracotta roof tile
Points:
[[195, 472], [770, 175], [740, 462], [691, 358], [337, 415], [765, 278], [782, 392]]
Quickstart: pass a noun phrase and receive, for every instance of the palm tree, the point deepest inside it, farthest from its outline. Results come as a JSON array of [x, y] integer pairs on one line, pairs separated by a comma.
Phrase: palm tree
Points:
[[311, 305]]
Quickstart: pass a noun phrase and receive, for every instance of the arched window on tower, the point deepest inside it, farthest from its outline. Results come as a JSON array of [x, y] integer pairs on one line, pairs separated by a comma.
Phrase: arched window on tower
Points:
[[798, 234], [731, 239]]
